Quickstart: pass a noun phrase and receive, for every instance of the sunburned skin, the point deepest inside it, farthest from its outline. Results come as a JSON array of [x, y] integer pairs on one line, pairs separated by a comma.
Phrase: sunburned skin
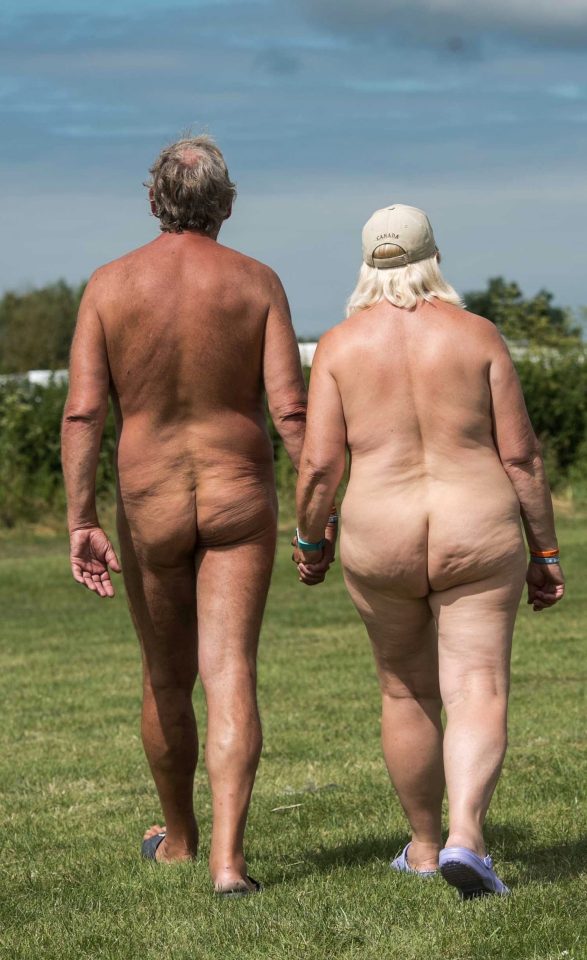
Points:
[[188, 337], [444, 467], [185, 350]]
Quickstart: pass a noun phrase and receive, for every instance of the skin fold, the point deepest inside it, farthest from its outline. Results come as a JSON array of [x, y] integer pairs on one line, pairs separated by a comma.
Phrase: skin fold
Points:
[[187, 337], [444, 467]]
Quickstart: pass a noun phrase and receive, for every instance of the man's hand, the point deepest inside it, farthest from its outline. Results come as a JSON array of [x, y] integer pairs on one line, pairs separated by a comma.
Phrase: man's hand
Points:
[[91, 554], [313, 565], [546, 585]]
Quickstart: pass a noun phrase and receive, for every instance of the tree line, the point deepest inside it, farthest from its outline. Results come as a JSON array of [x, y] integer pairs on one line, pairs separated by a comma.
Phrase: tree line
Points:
[[36, 326]]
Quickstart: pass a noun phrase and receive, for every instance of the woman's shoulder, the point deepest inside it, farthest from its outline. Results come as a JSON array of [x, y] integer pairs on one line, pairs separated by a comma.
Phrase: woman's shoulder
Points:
[[463, 324]]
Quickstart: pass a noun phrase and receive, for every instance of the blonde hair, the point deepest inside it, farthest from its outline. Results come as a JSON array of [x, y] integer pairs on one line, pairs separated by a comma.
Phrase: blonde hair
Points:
[[402, 286]]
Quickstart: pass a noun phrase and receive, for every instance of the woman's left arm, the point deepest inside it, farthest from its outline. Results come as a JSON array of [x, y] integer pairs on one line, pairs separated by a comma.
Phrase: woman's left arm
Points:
[[322, 463]]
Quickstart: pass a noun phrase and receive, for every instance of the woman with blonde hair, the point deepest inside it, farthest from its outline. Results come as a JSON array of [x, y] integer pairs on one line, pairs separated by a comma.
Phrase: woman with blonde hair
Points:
[[444, 464]]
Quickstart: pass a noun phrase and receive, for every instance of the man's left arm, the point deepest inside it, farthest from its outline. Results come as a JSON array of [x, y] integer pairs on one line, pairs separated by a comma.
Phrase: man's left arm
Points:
[[81, 434]]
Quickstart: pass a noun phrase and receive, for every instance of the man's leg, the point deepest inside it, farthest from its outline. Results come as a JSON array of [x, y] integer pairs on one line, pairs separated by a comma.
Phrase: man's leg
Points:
[[232, 585], [475, 626], [403, 637], [162, 601]]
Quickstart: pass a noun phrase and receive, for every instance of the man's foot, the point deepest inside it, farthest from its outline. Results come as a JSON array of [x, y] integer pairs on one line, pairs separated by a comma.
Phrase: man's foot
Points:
[[233, 881], [165, 852]]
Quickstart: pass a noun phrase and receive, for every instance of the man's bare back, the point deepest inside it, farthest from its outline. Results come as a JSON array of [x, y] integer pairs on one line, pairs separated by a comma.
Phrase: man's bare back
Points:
[[184, 321]]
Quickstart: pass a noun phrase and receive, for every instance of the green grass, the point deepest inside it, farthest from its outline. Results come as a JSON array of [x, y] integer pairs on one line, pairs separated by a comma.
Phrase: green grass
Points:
[[77, 795]]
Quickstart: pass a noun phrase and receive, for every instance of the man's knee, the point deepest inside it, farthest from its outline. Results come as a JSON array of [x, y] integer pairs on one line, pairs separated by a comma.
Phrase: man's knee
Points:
[[168, 686]]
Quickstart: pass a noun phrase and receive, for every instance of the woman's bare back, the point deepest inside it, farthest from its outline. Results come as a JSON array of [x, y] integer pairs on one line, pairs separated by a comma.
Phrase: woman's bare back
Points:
[[428, 504]]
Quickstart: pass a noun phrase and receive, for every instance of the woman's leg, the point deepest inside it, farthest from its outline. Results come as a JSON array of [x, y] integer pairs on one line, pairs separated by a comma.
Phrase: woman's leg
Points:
[[475, 627], [403, 637]]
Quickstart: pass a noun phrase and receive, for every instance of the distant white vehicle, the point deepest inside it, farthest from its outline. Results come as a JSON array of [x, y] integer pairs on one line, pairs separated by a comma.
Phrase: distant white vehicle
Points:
[[43, 378], [307, 351]]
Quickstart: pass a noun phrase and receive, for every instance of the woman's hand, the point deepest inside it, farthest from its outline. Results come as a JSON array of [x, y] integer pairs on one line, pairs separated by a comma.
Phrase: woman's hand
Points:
[[91, 555], [546, 585], [313, 565]]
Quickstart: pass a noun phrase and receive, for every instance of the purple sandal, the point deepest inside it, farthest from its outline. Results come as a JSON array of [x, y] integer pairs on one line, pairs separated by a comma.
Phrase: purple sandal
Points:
[[473, 876], [402, 866]]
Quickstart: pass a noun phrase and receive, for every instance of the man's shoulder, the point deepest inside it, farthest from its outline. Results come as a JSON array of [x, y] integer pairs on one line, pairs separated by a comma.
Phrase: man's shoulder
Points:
[[119, 267], [244, 261]]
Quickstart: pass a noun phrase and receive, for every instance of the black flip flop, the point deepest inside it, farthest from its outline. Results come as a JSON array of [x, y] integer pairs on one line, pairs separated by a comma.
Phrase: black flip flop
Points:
[[241, 891], [150, 845]]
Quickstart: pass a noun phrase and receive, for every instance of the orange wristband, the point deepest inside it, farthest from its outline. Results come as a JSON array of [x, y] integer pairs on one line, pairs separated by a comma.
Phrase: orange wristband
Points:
[[544, 553]]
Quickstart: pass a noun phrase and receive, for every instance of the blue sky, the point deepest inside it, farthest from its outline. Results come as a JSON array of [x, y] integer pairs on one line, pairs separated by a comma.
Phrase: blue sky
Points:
[[325, 110]]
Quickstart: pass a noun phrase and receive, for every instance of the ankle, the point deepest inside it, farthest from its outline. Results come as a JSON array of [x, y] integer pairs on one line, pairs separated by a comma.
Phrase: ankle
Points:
[[425, 846], [423, 854], [227, 869], [174, 852], [471, 839]]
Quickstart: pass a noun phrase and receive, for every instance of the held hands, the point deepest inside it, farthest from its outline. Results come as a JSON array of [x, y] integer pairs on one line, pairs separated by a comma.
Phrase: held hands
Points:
[[546, 585], [91, 554], [313, 565]]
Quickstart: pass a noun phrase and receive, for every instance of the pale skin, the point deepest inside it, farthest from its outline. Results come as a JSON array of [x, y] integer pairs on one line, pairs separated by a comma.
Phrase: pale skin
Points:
[[187, 336], [444, 465]]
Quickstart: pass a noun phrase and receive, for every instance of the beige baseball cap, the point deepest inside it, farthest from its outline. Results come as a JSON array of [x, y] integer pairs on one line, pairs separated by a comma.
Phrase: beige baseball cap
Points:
[[407, 227]]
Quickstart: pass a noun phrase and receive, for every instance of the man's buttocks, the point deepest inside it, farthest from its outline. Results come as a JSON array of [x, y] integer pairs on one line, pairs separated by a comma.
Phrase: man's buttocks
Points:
[[217, 480]]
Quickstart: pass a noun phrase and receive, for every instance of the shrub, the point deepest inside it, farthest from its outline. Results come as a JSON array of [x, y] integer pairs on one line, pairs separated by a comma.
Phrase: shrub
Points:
[[555, 388], [31, 486]]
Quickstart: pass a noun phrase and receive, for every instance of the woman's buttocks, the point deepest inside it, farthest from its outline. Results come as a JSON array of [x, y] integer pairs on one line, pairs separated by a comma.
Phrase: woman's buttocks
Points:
[[432, 526], [474, 528]]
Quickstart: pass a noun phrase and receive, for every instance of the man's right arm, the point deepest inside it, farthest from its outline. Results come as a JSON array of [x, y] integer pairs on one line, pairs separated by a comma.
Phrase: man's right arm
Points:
[[282, 374], [91, 552]]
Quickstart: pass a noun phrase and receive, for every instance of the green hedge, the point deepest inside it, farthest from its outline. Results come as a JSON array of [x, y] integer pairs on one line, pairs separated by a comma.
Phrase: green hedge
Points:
[[31, 487]]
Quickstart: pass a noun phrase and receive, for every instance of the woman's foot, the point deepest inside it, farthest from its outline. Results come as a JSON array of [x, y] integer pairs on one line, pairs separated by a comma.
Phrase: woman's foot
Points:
[[472, 875], [419, 858], [471, 838], [168, 851]]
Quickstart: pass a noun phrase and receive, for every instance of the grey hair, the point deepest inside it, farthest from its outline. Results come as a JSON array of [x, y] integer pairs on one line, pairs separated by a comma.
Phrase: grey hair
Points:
[[402, 286], [191, 186]]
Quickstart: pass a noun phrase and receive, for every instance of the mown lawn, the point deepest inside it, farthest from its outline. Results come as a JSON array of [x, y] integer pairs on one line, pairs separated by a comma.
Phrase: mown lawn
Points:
[[324, 823]]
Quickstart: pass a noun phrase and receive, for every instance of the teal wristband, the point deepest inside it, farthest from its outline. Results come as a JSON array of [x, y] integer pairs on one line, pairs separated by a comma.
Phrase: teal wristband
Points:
[[545, 560], [307, 544]]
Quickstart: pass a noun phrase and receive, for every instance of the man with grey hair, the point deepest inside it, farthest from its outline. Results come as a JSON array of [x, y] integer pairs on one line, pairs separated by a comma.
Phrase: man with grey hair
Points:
[[187, 336]]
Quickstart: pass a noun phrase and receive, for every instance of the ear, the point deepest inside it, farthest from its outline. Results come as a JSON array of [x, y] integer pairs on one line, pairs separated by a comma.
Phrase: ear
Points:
[[229, 214], [438, 257], [152, 202]]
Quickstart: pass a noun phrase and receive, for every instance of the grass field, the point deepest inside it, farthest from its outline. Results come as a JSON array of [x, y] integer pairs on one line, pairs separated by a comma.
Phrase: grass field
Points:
[[77, 796]]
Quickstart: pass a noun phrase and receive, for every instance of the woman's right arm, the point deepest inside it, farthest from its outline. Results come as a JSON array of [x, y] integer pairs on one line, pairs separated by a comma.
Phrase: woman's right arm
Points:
[[520, 455]]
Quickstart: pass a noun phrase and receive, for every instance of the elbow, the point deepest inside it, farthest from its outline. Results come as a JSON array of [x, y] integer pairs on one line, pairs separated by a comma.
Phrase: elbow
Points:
[[318, 472], [292, 413], [524, 462], [87, 418], [91, 415]]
